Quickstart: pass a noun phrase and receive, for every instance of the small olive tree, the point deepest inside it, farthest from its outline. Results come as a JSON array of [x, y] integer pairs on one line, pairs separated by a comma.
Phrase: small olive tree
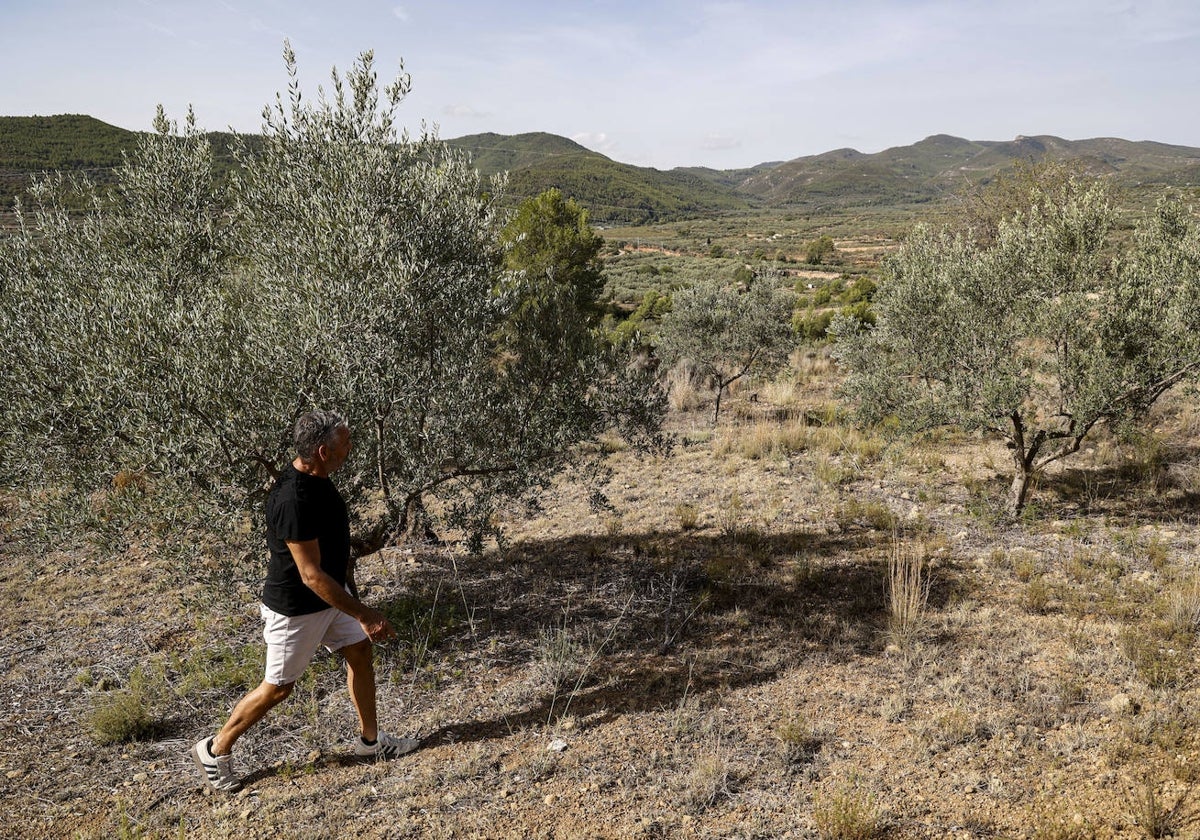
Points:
[[1037, 333], [176, 329], [728, 334]]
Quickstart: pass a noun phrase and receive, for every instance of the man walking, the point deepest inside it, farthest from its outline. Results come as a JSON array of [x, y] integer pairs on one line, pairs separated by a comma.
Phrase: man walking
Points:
[[307, 602]]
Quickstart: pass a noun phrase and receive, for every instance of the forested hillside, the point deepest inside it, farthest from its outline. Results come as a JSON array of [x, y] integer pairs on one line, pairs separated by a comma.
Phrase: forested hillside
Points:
[[619, 193]]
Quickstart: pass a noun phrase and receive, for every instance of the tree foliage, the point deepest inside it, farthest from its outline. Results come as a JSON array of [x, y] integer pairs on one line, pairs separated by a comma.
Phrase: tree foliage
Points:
[[179, 327], [654, 305], [551, 244], [1017, 190], [1036, 334], [820, 250], [726, 333]]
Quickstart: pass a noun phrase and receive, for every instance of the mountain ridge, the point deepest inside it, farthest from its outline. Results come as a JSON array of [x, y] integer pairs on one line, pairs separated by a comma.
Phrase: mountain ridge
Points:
[[928, 170]]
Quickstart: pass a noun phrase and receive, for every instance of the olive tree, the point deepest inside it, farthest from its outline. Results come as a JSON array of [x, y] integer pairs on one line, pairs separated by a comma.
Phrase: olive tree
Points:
[[726, 333], [1036, 334], [176, 329]]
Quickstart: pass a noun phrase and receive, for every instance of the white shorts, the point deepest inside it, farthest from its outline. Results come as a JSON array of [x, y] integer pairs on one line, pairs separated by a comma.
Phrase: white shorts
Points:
[[292, 641]]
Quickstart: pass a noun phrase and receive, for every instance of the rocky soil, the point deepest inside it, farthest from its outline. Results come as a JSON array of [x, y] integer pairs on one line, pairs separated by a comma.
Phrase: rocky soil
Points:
[[714, 657]]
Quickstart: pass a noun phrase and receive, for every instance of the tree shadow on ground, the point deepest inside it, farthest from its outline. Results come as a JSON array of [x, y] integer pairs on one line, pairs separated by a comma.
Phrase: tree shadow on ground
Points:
[[670, 615], [1159, 490]]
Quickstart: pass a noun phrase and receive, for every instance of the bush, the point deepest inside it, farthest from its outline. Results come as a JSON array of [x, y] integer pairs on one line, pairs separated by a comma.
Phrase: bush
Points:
[[810, 325], [122, 716], [820, 250], [848, 813]]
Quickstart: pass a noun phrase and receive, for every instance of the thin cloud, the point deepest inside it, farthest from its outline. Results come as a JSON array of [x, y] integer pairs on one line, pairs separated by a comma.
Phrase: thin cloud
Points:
[[400, 13], [720, 143], [596, 141], [465, 111]]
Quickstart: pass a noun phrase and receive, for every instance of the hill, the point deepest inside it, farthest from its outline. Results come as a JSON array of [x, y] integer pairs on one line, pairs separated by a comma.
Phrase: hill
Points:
[[68, 142], [612, 191], [74, 143], [620, 193], [941, 164]]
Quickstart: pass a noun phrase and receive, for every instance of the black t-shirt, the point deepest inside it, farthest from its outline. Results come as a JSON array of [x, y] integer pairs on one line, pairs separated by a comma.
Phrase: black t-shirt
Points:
[[303, 507]]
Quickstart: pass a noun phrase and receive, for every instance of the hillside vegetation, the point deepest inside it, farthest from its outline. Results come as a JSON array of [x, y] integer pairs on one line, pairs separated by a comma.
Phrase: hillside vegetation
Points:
[[923, 173], [942, 165]]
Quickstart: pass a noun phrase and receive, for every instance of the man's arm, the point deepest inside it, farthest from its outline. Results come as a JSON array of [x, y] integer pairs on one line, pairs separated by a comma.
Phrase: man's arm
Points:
[[307, 555]]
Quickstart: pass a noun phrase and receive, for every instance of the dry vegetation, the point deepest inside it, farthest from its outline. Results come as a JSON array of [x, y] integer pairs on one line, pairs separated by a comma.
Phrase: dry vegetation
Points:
[[788, 628]]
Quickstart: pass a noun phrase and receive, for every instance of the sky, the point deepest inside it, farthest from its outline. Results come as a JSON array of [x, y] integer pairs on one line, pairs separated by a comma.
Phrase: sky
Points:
[[660, 83]]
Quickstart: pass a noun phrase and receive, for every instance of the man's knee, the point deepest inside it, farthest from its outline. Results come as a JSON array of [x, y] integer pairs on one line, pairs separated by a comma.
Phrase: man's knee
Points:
[[359, 655], [276, 694]]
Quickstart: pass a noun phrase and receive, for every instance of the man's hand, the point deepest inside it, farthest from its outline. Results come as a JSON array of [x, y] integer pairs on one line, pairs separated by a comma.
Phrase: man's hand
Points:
[[376, 626], [307, 555]]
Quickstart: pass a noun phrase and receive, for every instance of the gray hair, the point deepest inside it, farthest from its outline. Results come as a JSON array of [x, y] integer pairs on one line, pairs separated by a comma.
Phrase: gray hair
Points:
[[315, 428]]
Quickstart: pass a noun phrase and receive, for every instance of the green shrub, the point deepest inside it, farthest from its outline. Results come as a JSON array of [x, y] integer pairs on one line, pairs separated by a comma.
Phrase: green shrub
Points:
[[862, 290], [848, 813], [820, 250], [810, 325], [122, 716]]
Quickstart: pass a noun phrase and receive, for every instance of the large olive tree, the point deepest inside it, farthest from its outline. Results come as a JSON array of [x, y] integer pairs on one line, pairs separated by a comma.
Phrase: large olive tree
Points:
[[175, 330], [1037, 333]]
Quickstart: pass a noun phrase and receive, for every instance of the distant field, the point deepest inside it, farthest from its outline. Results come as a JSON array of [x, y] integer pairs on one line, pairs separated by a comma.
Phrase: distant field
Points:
[[672, 255]]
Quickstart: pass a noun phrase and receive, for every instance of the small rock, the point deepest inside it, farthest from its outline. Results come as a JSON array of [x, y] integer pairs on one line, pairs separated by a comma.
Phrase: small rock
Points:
[[550, 799], [14, 774], [313, 757], [141, 777], [557, 745], [1119, 704], [246, 814]]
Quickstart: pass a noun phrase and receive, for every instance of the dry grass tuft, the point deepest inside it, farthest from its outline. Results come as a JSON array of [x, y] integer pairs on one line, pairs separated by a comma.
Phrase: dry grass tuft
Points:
[[707, 781], [1155, 815], [908, 592], [1156, 656], [560, 660], [688, 515], [1180, 606], [682, 393], [848, 812]]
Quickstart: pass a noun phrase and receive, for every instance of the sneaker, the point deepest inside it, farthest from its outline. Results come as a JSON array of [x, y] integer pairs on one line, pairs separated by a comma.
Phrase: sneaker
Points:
[[216, 769], [385, 746]]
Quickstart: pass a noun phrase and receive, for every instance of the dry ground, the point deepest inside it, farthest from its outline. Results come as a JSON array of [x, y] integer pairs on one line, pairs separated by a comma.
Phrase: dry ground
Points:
[[714, 657]]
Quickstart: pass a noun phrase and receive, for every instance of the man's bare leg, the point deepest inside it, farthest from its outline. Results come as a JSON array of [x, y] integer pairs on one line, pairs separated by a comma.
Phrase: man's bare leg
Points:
[[249, 711], [360, 678]]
